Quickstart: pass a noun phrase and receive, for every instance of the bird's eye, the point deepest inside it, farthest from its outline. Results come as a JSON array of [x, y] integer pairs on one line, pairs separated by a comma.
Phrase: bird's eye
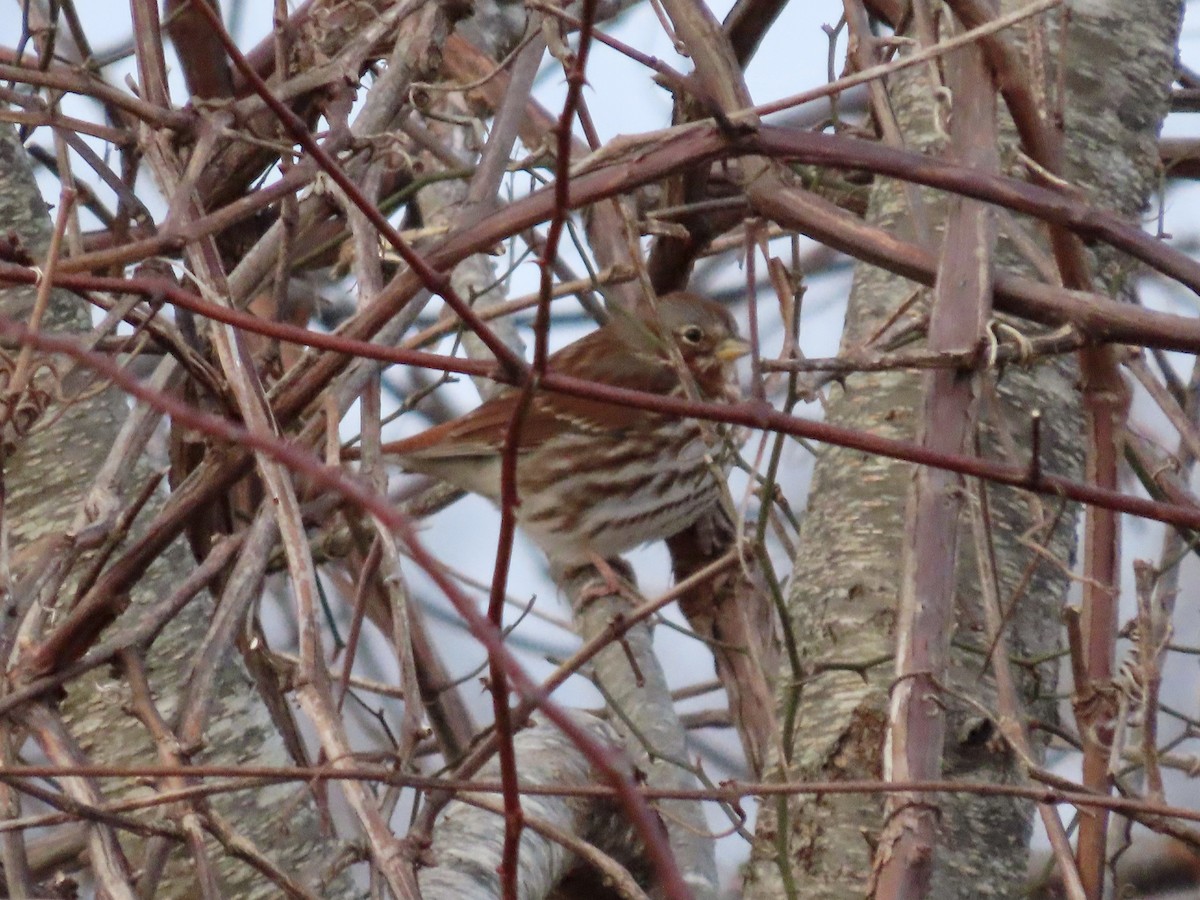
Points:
[[693, 334]]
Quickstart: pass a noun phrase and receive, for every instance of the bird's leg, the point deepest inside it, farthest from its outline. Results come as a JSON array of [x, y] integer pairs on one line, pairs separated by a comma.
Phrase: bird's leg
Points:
[[611, 581]]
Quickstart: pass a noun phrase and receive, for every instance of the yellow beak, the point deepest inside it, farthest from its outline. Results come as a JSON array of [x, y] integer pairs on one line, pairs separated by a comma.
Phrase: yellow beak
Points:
[[730, 349]]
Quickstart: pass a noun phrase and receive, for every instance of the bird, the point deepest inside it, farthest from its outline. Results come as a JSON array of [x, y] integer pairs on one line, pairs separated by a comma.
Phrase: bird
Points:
[[596, 479]]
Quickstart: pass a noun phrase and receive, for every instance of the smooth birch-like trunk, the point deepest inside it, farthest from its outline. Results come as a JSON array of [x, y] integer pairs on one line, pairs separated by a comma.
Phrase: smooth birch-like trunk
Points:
[[1116, 65], [47, 478]]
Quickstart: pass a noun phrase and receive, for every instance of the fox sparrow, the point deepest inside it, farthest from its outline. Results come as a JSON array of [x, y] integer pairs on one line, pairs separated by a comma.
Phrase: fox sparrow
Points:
[[595, 479]]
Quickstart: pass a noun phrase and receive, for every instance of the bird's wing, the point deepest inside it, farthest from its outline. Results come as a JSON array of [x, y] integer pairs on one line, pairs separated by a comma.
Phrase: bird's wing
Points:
[[481, 432]]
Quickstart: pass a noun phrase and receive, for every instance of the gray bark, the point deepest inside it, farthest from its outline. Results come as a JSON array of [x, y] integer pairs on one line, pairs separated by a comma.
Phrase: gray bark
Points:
[[1118, 62], [635, 690], [47, 477], [468, 843]]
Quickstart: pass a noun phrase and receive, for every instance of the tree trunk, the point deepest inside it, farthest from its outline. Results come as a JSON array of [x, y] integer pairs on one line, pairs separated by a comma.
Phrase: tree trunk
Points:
[[1117, 63], [49, 479]]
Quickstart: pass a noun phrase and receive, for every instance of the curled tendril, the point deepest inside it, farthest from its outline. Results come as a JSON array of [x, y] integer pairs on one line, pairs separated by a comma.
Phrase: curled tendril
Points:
[[24, 409]]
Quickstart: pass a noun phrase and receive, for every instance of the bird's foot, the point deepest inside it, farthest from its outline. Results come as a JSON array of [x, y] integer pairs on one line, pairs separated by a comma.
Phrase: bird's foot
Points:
[[610, 582]]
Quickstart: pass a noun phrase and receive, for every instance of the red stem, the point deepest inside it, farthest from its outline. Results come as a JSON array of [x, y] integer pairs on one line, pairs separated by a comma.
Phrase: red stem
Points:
[[436, 281], [607, 762]]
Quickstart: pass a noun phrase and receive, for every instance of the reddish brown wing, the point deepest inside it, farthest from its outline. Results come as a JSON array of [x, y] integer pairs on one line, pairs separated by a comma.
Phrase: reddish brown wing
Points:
[[596, 357], [478, 433]]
